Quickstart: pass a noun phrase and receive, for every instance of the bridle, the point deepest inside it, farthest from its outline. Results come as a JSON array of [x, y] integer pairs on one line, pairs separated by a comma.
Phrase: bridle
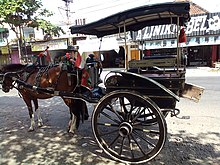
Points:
[[6, 78]]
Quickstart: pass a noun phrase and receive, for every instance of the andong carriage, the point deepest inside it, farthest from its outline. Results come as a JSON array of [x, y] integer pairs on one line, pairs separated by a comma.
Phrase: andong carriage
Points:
[[128, 121]]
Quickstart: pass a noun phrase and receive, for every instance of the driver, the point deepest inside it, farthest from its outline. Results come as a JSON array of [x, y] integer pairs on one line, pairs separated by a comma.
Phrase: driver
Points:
[[75, 62]]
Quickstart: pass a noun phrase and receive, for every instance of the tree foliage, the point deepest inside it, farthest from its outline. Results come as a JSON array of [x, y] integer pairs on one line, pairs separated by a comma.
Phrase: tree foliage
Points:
[[27, 13]]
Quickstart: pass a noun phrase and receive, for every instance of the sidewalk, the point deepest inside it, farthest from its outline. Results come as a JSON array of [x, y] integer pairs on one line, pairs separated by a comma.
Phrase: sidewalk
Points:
[[202, 72]]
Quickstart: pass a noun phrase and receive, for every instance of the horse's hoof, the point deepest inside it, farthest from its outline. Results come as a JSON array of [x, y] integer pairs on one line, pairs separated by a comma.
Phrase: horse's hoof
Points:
[[30, 129], [40, 124], [71, 132]]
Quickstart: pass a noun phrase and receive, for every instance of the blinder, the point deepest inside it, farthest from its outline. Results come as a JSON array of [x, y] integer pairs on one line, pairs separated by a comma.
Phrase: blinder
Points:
[[8, 81]]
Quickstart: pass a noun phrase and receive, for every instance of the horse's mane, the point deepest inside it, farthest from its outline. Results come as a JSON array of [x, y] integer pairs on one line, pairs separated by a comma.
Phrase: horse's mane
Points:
[[13, 67]]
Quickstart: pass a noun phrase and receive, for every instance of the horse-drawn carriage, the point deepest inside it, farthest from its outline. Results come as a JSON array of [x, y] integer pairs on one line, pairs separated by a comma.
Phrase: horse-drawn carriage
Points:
[[128, 121]]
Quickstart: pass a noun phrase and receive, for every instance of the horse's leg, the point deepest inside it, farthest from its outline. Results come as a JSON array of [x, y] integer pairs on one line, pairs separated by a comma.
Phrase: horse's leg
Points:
[[85, 113], [37, 110], [31, 113], [77, 108], [72, 123]]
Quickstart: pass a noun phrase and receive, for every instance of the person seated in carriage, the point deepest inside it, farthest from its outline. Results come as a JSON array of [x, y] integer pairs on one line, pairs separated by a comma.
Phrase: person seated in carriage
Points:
[[88, 70], [76, 64], [95, 68]]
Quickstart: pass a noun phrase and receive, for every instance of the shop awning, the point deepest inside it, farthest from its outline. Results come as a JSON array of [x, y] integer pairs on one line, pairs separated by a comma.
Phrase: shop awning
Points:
[[136, 19]]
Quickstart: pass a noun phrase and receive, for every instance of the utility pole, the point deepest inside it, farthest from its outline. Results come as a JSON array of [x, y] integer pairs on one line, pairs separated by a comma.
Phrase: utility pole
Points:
[[68, 16], [67, 10]]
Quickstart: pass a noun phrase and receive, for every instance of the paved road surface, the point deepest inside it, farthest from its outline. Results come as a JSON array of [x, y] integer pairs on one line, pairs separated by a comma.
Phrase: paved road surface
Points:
[[190, 141]]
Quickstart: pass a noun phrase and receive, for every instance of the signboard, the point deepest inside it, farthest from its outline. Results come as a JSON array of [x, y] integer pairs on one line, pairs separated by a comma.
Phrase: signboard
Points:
[[204, 24], [53, 45], [4, 50], [199, 25], [191, 41]]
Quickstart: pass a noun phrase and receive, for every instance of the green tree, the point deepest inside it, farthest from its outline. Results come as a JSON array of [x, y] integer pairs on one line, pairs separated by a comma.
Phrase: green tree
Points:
[[27, 13]]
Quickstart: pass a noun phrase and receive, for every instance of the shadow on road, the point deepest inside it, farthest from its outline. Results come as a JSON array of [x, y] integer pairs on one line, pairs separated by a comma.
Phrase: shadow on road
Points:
[[51, 144]]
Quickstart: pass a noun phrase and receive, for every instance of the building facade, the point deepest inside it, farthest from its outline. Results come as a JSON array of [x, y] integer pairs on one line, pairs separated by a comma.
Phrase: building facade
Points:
[[202, 45]]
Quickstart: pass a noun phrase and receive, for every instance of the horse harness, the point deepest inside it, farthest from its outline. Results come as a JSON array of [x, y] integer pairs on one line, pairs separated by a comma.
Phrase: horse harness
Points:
[[29, 70], [40, 73], [45, 70]]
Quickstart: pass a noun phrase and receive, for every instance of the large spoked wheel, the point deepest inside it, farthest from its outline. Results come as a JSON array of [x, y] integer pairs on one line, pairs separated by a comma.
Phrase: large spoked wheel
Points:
[[129, 127]]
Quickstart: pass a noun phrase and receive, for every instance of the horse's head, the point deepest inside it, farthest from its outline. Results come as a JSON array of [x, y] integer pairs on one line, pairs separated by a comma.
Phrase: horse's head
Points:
[[8, 80]]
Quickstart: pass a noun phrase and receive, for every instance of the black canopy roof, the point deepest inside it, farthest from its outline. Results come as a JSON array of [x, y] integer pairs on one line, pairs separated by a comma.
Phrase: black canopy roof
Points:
[[136, 19]]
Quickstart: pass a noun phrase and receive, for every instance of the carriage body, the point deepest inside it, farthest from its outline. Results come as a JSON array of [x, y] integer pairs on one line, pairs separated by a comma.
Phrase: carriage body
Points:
[[129, 121]]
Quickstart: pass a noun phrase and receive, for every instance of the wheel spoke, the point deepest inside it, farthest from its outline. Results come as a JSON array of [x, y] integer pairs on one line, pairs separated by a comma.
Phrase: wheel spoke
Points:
[[148, 131], [113, 141], [108, 124], [131, 147], [130, 112], [112, 109], [146, 115], [138, 145], [145, 122], [122, 144], [108, 133], [138, 110], [153, 145], [122, 104], [109, 117], [125, 105], [141, 110]]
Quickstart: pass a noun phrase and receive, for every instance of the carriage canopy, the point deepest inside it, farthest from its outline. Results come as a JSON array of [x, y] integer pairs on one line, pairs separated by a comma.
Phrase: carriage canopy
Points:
[[137, 18]]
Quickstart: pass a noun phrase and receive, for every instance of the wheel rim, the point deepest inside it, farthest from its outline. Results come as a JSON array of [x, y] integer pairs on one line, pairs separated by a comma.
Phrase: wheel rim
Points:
[[129, 127]]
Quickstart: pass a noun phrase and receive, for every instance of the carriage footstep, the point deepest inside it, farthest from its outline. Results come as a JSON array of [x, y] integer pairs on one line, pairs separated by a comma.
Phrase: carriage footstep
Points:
[[94, 94]]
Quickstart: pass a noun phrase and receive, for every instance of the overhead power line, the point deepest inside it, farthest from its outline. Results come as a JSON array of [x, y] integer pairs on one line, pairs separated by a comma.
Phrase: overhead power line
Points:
[[99, 7]]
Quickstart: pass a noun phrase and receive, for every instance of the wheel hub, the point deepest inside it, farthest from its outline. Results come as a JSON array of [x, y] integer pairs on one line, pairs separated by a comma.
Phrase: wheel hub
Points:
[[125, 129]]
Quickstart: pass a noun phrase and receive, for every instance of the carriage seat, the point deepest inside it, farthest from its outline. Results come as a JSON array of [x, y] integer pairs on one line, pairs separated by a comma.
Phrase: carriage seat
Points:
[[159, 57], [154, 61]]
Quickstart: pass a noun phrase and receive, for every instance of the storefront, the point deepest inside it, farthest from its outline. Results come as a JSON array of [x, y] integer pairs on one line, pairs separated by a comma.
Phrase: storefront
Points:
[[57, 47], [203, 39]]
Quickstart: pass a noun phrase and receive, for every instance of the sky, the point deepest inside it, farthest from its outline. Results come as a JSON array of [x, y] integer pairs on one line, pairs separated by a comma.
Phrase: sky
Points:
[[93, 10]]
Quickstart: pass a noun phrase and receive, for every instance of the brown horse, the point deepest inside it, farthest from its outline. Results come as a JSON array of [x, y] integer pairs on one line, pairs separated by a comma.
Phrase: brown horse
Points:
[[49, 77]]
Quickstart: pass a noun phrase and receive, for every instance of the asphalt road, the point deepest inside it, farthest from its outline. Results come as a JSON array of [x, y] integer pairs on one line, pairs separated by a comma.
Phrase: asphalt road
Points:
[[190, 141]]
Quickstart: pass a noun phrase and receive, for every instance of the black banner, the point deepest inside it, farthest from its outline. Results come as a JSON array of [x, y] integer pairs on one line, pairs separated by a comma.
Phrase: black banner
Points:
[[199, 25]]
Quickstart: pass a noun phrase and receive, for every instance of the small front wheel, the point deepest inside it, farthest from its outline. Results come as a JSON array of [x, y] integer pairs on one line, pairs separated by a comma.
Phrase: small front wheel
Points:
[[129, 127]]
